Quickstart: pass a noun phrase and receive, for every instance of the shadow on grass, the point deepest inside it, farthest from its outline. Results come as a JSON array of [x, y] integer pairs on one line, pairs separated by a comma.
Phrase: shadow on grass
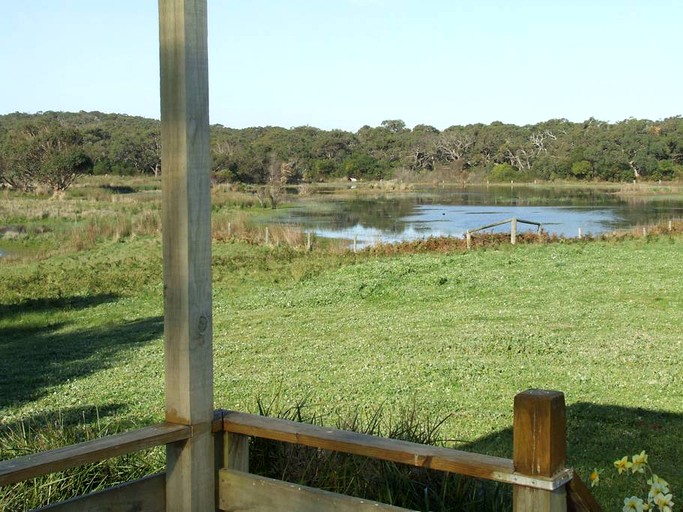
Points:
[[67, 416], [8, 311], [597, 435], [35, 358]]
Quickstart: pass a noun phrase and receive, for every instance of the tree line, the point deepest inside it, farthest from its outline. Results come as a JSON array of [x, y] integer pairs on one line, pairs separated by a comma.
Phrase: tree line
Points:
[[52, 148]]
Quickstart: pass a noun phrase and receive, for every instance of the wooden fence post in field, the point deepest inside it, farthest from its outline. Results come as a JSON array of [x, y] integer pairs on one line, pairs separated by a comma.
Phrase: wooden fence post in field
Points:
[[309, 244], [580, 234], [186, 213], [671, 225], [469, 240], [513, 231], [539, 448], [267, 236]]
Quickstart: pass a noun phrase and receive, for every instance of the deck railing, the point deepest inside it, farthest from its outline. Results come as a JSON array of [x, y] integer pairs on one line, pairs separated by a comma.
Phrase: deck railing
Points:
[[537, 471]]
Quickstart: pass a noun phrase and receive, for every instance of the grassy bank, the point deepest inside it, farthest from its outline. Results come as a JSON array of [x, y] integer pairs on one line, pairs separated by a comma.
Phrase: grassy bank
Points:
[[445, 334], [448, 334]]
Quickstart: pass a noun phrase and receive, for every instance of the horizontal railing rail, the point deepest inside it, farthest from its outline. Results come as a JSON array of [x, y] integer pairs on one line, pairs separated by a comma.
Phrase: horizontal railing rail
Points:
[[506, 221], [233, 430], [433, 457], [39, 464], [513, 229]]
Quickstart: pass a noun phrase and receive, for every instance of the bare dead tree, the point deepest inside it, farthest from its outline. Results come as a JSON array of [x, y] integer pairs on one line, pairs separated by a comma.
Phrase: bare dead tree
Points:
[[452, 147], [539, 139]]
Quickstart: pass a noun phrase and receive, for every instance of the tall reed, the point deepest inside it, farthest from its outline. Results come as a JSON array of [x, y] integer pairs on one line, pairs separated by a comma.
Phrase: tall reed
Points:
[[47, 433], [388, 482]]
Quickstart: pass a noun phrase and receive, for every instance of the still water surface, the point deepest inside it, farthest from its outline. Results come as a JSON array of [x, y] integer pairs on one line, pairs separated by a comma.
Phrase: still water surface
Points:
[[451, 212]]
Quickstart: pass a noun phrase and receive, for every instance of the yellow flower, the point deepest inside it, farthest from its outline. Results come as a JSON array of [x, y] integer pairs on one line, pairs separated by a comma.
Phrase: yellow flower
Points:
[[633, 503], [664, 502], [622, 464], [639, 462], [657, 486], [595, 477]]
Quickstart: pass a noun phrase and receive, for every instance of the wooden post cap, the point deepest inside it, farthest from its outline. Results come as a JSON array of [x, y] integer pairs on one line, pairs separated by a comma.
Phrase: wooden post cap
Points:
[[539, 432]]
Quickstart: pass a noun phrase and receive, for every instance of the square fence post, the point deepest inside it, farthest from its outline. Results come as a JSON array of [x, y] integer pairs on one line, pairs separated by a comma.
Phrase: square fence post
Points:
[[186, 213], [539, 448]]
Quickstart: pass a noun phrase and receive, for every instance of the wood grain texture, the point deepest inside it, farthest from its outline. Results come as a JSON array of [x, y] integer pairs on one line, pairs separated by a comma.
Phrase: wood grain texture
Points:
[[539, 447], [444, 459], [186, 221], [579, 497], [31, 466], [148, 494], [237, 452], [251, 493], [539, 432]]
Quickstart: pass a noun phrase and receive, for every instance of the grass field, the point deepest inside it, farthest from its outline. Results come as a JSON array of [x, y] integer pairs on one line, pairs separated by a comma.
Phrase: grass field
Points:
[[453, 335]]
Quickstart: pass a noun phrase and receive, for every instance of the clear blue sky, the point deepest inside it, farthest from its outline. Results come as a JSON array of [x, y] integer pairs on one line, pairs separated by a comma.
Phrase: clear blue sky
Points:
[[346, 63]]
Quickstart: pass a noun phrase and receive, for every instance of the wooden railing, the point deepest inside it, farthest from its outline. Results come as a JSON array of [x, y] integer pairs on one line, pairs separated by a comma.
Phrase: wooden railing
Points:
[[513, 229], [39, 464], [537, 471]]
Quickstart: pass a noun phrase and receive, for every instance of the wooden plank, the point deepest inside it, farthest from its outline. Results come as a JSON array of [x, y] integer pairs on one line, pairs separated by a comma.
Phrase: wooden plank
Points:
[[491, 225], [237, 451], [244, 493], [579, 497], [539, 448], [38, 464], [530, 222], [414, 454], [148, 494], [186, 215]]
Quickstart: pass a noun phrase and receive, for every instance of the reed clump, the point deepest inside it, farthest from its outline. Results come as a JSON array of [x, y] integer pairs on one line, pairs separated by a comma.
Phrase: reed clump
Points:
[[51, 432], [238, 227], [396, 484]]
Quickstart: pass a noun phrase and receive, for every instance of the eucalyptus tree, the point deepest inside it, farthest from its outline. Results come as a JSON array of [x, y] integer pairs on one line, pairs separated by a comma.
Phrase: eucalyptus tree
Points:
[[44, 154]]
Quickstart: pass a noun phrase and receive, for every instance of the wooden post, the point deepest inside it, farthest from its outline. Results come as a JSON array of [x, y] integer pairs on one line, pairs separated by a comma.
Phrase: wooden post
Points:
[[580, 234], [539, 448], [355, 243], [309, 244], [513, 231], [186, 212], [671, 225], [267, 236], [469, 240]]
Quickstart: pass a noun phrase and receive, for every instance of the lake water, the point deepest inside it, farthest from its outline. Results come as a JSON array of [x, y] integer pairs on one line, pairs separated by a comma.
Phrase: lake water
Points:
[[451, 212]]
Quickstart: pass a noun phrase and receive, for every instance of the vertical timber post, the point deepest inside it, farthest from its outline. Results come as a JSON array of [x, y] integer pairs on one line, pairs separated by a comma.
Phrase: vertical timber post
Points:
[[513, 231], [186, 213], [539, 448]]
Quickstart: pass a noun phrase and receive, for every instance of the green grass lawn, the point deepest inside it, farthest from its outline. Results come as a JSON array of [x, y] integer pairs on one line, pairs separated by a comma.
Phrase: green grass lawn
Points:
[[456, 334]]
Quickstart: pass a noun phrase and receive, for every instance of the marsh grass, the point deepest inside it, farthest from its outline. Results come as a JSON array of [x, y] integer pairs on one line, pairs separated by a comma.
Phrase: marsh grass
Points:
[[363, 477], [397, 484], [47, 433], [226, 196], [231, 226]]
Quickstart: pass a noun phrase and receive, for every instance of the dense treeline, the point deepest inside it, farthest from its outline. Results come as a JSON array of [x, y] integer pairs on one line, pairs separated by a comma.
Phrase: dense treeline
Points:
[[51, 148]]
